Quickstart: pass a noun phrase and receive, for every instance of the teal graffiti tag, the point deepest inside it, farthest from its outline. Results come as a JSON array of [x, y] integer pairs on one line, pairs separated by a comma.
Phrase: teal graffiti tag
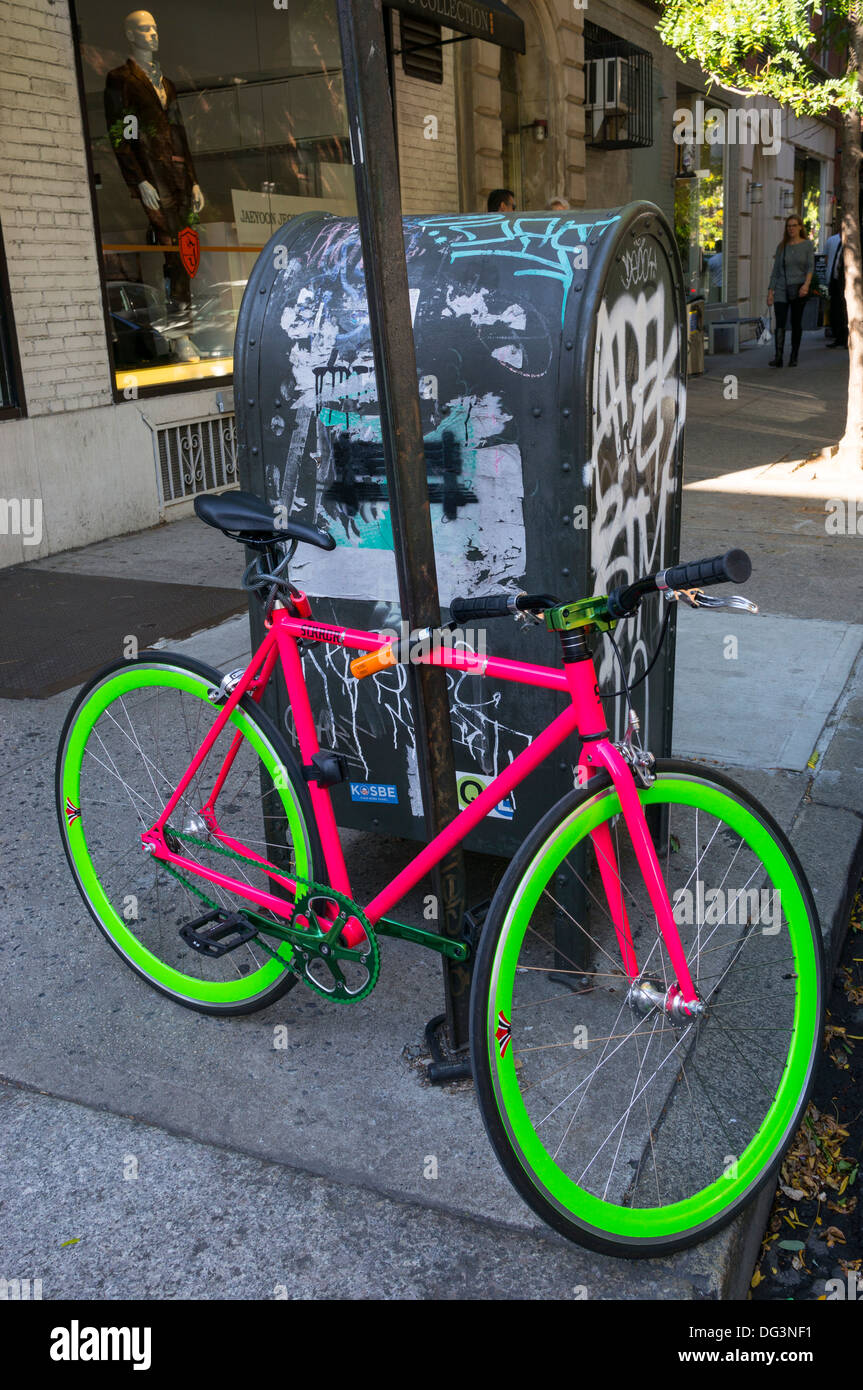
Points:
[[547, 245]]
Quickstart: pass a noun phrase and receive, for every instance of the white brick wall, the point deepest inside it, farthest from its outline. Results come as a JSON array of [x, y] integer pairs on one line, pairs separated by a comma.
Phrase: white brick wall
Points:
[[46, 213], [428, 168]]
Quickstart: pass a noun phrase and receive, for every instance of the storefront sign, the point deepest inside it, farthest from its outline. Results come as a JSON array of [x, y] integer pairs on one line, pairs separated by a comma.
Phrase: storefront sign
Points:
[[258, 215], [483, 19]]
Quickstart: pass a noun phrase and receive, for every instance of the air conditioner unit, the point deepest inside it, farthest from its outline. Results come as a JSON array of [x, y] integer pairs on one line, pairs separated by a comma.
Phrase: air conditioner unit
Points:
[[610, 86]]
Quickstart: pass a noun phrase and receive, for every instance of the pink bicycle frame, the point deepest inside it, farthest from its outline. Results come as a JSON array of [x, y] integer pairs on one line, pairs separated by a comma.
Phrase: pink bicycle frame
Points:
[[583, 714]]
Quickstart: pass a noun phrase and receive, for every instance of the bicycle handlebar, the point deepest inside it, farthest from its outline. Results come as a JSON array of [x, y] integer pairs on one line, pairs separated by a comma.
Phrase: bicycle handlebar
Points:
[[734, 567], [498, 605]]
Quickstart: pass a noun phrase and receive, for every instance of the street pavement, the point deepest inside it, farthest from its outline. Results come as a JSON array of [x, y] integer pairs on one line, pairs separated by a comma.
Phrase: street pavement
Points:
[[185, 1156]]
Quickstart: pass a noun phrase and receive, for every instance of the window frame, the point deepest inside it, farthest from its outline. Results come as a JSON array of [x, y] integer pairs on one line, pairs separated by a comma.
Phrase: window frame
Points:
[[17, 410], [117, 394], [142, 391]]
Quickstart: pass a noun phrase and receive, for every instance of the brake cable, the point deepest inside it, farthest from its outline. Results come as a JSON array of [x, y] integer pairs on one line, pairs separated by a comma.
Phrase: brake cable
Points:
[[627, 688]]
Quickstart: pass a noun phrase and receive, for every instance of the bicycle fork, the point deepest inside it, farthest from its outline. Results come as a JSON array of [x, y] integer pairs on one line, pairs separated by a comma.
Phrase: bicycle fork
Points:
[[598, 753]]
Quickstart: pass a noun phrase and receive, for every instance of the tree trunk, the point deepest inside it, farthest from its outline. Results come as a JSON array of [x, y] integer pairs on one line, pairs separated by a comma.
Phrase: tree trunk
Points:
[[850, 452]]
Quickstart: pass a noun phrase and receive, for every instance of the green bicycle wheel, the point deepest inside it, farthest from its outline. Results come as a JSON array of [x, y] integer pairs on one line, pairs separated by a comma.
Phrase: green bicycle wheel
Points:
[[627, 1128], [128, 739]]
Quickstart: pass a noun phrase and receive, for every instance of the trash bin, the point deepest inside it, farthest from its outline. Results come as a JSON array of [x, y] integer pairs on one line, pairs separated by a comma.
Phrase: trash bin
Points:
[[551, 352]]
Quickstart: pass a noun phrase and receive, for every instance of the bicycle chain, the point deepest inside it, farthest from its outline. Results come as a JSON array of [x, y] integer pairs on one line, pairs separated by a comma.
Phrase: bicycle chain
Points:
[[305, 946]]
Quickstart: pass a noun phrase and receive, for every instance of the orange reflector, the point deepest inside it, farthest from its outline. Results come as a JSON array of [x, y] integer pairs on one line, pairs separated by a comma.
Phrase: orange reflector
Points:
[[375, 661]]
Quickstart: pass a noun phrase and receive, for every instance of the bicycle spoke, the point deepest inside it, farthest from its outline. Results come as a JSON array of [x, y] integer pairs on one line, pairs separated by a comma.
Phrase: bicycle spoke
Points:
[[137, 752], [637, 1103]]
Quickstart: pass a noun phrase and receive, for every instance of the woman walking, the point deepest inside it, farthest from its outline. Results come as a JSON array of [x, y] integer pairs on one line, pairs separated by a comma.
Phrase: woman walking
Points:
[[793, 268]]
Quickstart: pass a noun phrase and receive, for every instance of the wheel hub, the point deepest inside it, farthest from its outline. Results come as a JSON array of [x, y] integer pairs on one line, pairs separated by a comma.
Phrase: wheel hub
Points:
[[645, 995]]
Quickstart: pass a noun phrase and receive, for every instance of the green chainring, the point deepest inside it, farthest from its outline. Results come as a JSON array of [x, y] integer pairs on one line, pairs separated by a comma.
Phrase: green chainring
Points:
[[320, 942]]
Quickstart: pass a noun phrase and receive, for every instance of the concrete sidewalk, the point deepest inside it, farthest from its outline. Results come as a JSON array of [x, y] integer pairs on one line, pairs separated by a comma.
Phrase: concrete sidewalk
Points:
[[336, 1131]]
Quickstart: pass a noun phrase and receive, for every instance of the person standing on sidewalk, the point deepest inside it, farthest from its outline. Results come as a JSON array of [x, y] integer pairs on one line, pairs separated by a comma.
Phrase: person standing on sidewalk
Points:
[[793, 268], [836, 283]]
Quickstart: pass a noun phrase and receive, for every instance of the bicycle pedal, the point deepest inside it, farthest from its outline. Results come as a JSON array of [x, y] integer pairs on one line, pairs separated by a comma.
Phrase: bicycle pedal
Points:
[[211, 940], [472, 923]]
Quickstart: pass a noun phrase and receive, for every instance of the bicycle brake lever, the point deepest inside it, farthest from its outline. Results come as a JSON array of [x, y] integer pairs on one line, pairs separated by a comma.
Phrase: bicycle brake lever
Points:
[[525, 618], [696, 598]]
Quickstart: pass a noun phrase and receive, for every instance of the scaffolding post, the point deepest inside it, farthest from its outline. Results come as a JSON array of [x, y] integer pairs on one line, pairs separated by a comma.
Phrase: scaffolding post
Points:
[[373, 149]]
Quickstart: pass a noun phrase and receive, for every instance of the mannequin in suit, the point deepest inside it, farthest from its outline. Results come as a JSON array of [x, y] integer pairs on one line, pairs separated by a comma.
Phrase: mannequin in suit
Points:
[[147, 134]]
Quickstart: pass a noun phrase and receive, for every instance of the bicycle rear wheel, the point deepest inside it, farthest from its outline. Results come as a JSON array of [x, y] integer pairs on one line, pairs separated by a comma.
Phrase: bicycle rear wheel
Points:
[[128, 740], [628, 1130]]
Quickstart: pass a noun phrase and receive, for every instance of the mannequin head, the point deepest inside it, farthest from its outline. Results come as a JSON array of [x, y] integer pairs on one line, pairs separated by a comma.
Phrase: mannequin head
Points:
[[141, 32]]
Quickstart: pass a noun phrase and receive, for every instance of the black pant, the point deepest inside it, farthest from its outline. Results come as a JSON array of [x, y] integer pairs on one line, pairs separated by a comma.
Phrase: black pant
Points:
[[797, 305], [166, 222], [838, 312]]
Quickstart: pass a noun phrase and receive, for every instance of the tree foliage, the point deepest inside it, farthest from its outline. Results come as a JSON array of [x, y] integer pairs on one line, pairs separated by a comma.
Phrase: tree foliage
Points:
[[768, 47], [772, 48]]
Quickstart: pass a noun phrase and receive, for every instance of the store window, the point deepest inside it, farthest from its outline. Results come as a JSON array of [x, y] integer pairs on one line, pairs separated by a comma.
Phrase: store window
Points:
[[807, 194], [209, 127], [699, 204], [11, 390]]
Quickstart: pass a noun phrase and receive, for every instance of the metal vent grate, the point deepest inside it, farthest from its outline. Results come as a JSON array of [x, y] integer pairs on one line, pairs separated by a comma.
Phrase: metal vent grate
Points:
[[422, 55], [200, 456]]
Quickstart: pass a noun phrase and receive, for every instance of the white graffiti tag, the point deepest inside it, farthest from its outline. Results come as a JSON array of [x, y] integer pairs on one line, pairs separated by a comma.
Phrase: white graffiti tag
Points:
[[388, 719], [639, 264], [638, 417]]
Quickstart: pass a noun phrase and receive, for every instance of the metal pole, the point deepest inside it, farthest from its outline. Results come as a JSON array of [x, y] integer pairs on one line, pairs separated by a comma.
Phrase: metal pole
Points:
[[373, 147]]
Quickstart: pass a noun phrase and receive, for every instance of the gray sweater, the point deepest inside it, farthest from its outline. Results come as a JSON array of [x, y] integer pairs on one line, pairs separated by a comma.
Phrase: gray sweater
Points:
[[795, 261]]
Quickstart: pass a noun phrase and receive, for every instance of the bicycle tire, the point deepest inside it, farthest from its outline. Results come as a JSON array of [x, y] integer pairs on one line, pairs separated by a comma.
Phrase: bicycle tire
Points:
[[516, 1071], [95, 830]]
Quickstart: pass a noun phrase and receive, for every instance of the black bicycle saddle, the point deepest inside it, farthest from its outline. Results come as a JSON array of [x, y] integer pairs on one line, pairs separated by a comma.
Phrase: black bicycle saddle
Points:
[[247, 518]]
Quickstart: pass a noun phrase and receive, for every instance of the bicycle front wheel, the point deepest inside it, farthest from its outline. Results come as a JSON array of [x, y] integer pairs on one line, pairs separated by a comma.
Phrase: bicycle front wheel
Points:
[[627, 1129], [128, 740]]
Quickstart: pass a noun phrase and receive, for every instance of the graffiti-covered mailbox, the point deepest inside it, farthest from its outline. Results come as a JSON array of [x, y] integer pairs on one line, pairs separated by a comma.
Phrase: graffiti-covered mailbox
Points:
[[551, 353]]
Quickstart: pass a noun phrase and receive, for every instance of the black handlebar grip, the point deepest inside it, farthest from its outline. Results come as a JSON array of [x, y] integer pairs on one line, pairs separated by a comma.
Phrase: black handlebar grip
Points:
[[734, 567], [492, 606]]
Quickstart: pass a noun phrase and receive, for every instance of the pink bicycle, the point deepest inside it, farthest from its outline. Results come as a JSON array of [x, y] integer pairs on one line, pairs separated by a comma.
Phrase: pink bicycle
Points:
[[646, 1002]]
